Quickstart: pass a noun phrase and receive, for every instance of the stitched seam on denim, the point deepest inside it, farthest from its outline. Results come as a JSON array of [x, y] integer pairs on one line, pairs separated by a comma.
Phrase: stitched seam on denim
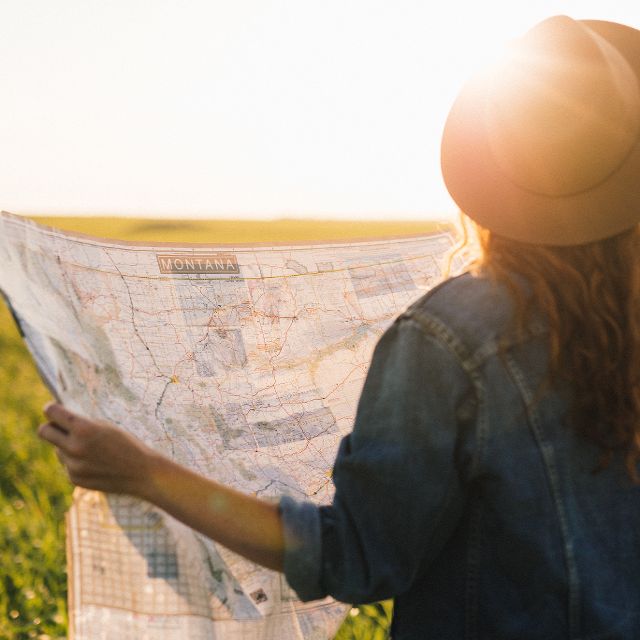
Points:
[[493, 347], [437, 329], [469, 360], [449, 486], [548, 457]]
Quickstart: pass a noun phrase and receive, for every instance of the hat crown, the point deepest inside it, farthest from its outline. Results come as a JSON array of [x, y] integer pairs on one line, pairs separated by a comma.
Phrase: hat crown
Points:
[[563, 109]]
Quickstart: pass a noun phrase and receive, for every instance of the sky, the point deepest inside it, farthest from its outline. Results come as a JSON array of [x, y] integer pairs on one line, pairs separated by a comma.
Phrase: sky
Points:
[[243, 108]]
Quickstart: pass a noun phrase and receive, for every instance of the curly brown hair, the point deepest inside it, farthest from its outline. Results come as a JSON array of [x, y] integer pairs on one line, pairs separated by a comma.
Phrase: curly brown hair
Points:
[[590, 296]]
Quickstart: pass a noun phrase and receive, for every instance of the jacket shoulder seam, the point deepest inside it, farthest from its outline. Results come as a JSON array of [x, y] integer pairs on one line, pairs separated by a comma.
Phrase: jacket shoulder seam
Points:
[[436, 328]]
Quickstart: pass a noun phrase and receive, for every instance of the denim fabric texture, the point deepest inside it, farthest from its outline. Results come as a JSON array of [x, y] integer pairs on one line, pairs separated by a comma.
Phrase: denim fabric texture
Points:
[[462, 493]]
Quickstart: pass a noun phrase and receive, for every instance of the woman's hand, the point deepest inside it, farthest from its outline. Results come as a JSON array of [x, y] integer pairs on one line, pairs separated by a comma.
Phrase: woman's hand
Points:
[[97, 454]]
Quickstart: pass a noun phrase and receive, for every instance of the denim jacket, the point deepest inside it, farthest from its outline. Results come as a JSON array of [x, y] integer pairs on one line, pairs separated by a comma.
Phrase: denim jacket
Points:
[[462, 494]]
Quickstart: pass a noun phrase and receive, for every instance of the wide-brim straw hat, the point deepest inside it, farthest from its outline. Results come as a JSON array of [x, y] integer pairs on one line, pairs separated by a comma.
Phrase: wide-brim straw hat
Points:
[[544, 145]]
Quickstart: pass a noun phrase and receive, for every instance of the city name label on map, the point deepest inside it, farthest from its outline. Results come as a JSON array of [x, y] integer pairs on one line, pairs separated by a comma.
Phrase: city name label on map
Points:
[[198, 263]]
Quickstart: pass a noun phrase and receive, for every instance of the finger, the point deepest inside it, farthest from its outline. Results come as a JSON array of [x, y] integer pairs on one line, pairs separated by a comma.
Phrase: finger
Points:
[[74, 466], [63, 417], [53, 434], [83, 476], [71, 466], [66, 461]]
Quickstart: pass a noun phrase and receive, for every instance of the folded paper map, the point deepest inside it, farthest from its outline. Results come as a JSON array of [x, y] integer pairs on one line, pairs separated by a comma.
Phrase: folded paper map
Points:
[[243, 363]]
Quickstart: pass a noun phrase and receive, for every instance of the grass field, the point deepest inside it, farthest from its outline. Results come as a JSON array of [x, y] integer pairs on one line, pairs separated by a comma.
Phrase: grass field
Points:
[[34, 491]]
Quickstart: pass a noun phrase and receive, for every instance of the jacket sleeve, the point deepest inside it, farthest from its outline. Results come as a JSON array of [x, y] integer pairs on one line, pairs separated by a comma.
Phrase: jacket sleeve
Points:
[[398, 492]]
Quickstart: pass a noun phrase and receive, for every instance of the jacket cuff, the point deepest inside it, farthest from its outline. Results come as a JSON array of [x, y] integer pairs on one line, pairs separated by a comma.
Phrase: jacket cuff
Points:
[[302, 547]]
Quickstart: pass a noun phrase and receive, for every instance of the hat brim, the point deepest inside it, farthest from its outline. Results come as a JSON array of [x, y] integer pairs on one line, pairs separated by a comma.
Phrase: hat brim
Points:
[[488, 196]]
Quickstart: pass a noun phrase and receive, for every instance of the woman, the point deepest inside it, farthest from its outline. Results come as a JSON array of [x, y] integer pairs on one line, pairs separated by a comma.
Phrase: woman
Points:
[[490, 482]]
